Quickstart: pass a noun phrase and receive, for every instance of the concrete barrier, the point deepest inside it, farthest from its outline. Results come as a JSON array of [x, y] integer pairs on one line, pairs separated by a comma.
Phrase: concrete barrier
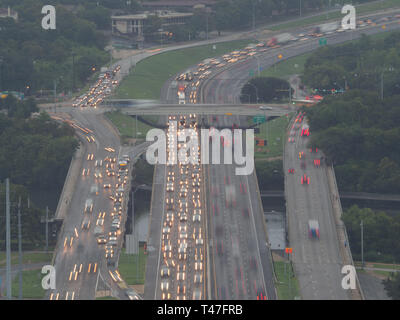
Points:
[[344, 245]]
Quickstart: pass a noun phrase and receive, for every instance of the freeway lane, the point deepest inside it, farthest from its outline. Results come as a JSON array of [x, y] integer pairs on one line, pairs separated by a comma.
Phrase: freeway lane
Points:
[[242, 262], [317, 262], [85, 249], [224, 87]]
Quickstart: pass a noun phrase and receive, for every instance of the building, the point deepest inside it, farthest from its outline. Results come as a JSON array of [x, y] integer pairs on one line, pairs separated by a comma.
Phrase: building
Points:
[[8, 13], [183, 6], [133, 25]]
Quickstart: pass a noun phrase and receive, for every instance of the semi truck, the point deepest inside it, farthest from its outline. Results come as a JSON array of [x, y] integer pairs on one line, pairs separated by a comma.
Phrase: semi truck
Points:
[[313, 229], [280, 39], [89, 206], [181, 95], [325, 28]]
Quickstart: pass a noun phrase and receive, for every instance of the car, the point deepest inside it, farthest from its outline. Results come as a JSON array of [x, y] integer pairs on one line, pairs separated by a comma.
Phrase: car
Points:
[[102, 239], [291, 170], [164, 285], [198, 278], [180, 276], [181, 289], [265, 108], [196, 294], [196, 218], [198, 266], [305, 180]]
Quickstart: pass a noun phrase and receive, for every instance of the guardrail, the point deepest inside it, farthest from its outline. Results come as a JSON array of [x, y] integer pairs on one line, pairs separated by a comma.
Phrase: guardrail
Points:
[[348, 258]]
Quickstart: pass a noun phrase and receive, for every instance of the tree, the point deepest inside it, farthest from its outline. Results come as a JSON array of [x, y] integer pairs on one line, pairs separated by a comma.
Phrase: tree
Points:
[[392, 286], [265, 89]]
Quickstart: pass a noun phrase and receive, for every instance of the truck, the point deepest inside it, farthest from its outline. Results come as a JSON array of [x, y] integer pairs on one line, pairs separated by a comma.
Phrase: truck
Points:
[[89, 206], [325, 28], [86, 222], [94, 189], [305, 130], [98, 230], [280, 39], [181, 97], [313, 229]]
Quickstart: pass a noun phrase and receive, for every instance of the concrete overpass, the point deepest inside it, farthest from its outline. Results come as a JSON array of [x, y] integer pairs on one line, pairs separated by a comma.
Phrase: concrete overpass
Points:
[[343, 195], [202, 109]]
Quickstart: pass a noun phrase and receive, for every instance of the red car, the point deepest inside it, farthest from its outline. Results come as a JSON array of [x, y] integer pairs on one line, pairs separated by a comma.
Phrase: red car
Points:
[[305, 179]]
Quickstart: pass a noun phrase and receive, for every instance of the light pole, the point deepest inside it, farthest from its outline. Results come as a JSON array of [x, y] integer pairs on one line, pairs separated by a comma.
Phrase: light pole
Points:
[[258, 65], [133, 230], [362, 244], [249, 83], [300, 8], [382, 83], [1, 74]]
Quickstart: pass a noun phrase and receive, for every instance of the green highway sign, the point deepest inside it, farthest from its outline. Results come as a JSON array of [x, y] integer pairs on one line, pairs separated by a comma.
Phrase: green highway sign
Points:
[[251, 73], [259, 119], [323, 41]]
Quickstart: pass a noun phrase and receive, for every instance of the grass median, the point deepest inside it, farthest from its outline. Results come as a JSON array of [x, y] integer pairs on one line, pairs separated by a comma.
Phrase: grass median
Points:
[[287, 285], [31, 285], [27, 257], [126, 125], [149, 75], [274, 131], [132, 267]]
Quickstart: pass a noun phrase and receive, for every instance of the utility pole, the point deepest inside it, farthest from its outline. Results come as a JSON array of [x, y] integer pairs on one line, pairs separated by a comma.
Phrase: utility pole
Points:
[[47, 229], [19, 249], [73, 72], [136, 126], [8, 240], [362, 244], [1, 66], [206, 24], [55, 94], [300, 8], [254, 14]]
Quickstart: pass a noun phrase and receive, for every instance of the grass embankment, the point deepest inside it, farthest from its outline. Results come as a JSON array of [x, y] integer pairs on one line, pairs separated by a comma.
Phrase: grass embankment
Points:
[[126, 125], [361, 9], [132, 267], [274, 132], [27, 257], [31, 285], [287, 285], [149, 75]]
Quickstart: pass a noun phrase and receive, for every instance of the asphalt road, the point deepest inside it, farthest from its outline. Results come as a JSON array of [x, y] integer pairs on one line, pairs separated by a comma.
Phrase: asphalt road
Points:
[[84, 249], [242, 266]]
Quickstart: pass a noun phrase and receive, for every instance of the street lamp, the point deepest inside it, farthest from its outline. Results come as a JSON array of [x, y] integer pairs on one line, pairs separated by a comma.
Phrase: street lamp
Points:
[[249, 83], [1, 75], [391, 69]]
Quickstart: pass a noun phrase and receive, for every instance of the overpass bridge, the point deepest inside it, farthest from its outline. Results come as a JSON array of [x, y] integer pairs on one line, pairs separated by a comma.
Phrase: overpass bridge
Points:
[[130, 107], [343, 195]]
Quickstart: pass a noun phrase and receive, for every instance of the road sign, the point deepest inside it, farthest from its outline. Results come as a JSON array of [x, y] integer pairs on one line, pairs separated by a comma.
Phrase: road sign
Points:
[[259, 119], [322, 41]]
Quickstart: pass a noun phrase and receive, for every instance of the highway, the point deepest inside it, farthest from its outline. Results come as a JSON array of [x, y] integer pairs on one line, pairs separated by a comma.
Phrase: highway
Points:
[[317, 263], [85, 249], [243, 239]]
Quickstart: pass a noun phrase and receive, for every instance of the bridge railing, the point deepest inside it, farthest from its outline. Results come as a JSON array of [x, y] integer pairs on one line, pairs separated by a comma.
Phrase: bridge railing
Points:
[[343, 227]]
